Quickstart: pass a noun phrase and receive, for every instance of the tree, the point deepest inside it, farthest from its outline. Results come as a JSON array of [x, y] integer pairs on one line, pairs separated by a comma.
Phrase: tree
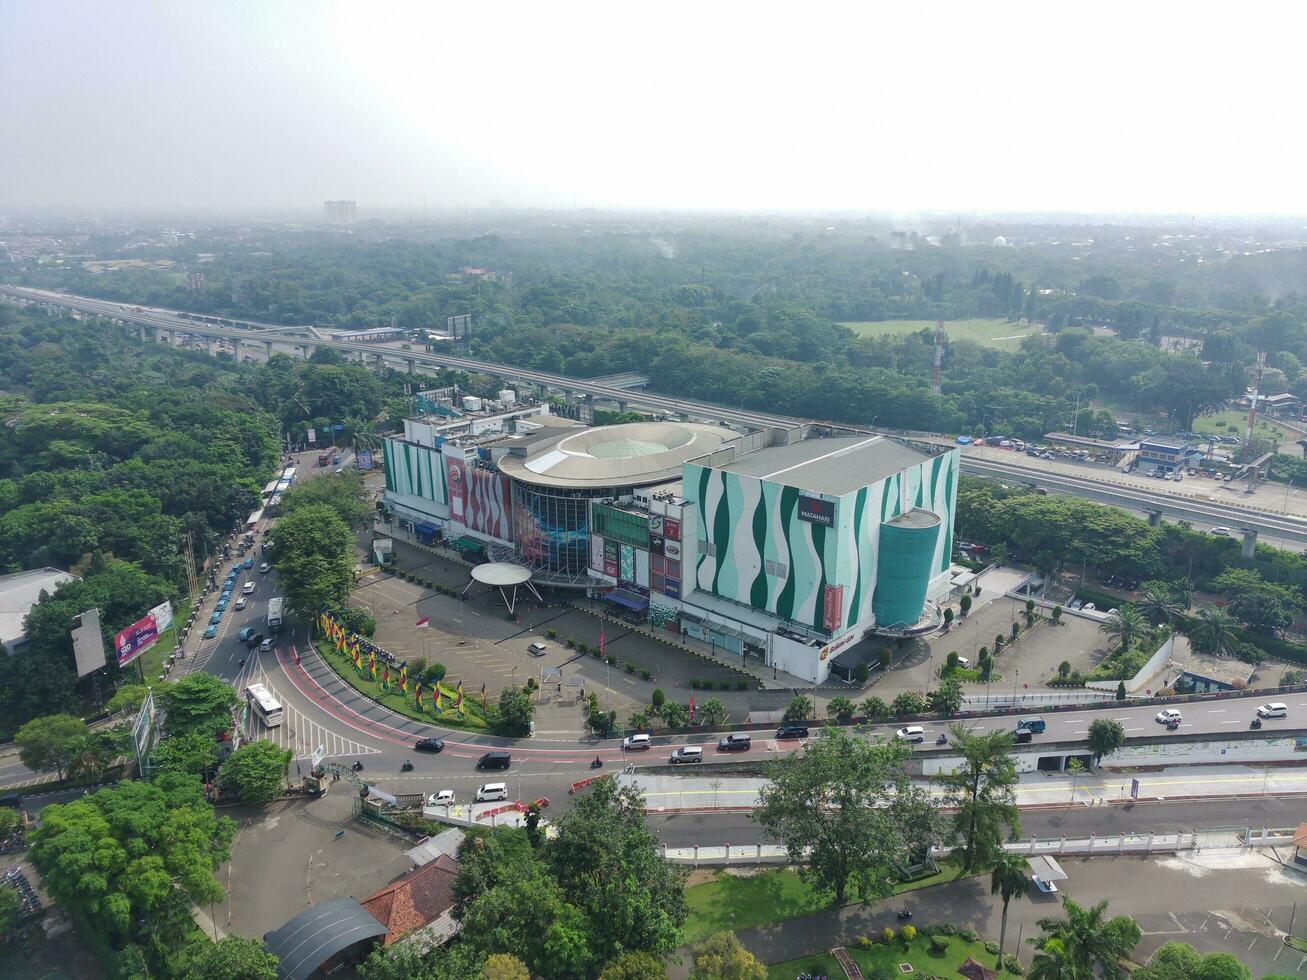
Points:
[[343, 492], [1086, 941], [504, 966], [947, 698], [1009, 879], [90, 755], [638, 965], [1214, 632], [199, 703], [1180, 961], [1120, 690], [965, 604], [1126, 626], [948, 618], [1105, 737], [127, 861], [713, 712], [800, 708], [675, 714], [908, 703], [1158, 604], [849, 810], [49, 742], [874, 707], [1262, 606], [409, 961], [231, 958], [983, 791], [9, 821], [1057, 615], [886, 657], [840, 707], [313, 551], [256, 772], [127, 698], [193, 753], [515, 711], [723, 957]]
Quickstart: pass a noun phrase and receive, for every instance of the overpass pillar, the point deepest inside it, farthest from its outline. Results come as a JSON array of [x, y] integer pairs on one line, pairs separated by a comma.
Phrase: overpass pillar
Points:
[[412, 365], [622, 407], [268, 346], [1249, 543], [144, 335], [1154, 518]]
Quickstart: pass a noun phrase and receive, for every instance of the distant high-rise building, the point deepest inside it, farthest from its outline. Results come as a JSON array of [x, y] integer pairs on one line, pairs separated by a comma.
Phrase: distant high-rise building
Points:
[[340, 212]]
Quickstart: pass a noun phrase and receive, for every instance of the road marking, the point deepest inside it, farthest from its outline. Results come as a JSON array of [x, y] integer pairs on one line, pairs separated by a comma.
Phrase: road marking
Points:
[[1216, 711], [1234, 722]]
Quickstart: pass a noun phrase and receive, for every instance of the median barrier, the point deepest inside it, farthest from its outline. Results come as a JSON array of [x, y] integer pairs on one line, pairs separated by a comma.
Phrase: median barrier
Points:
[[583, 783]]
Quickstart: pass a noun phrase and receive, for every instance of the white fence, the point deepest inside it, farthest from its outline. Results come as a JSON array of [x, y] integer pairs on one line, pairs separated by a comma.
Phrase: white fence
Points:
[[1091, 846], [1035, 699]]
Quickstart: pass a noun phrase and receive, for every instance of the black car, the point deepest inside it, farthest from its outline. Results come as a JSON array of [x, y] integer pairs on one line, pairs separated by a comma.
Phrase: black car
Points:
[[254, 640], [494, 760], [428, 745], [734, 742], [792, 731]]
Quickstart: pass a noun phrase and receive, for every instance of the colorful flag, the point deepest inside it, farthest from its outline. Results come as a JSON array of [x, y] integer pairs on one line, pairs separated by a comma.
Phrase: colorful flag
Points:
[[417, 694], [385, 677], [435, 701], [340, 638], [324, 621], [372, 664], [601, 641], [423, 621], [403, 678], [459, 705]]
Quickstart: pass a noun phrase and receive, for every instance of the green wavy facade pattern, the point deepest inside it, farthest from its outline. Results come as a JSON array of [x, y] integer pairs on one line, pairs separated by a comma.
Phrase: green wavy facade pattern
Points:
[[415, 471], [753, 548]]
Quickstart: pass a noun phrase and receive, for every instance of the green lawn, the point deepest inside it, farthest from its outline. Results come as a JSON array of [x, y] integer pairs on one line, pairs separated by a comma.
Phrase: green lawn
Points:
[[734, 902], [151, 660], [996, 332], [888, 958], [1235, 423], [403, 704]]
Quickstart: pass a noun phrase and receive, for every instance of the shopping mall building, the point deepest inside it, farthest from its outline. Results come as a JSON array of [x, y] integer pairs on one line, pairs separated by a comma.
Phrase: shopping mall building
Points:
[[797, 554]]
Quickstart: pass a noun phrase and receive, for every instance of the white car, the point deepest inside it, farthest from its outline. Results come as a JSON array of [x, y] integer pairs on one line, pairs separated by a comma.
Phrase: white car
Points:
[[636, 742], [264, 568], [444, 797], [1276, 709], [1221, 531], [1167, 715], [913, 733], [240, 603], [248, 588]]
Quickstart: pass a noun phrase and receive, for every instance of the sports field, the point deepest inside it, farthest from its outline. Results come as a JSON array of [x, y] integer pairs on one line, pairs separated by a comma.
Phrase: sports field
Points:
[[998, 332]]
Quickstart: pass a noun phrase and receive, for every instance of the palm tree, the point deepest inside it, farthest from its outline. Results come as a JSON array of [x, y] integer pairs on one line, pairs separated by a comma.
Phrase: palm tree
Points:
[[1086, 940], [1214, 632], [89, 758], [1009, 880], [1159, 605], [713, 712], [1126, 625], [362, 435], [1053, 963]]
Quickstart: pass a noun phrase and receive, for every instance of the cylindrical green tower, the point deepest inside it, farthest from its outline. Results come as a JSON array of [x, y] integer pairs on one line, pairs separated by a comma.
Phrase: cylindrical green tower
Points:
[[903, 566]]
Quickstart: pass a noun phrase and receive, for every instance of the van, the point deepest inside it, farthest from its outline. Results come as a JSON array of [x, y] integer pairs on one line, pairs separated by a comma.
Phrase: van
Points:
[[1035, 725], [492, 791], [537, 649], [636, 742], [792, 730], [1276, 709], [687, 753], [1021, 736], [494, 760]]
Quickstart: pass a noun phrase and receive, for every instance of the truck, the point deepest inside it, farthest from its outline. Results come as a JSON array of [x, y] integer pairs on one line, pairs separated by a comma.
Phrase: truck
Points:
[[274, 614], [324, 458]]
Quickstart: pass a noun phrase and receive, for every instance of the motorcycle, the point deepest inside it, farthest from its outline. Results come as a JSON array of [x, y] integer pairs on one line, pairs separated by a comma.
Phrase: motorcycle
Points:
[[905, 914], [942, 740], [1172, 725], [357, 766], [597, 764], [406, 767], [1257, 723]]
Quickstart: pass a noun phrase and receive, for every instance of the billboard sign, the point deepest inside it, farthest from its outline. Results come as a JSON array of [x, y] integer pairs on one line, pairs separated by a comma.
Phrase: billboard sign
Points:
[[672, 550], [363, 459], [88, 643], [671, 529], [814, 510], [626, 564], [162, 615], [672, 588], [655, 523], [130, 643], [457, 471], [833, 608], [655, 544], [312, 435]]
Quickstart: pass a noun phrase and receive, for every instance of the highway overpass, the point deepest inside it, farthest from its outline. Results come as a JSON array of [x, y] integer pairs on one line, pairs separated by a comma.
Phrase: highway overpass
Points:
[[1160, 502]]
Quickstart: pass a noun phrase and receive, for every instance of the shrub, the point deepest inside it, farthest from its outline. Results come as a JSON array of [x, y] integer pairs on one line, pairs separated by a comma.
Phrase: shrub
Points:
[[1057, 618], [991, 948], [939, 944], [741, 685], [706, 685], [907, 934], [864, 942], [969, 934], [571, 643], [887, 935], [1064, 668], [948, 929], [611, 660], [552, 634], [530, 683], [886, 657], [965, 604], [645, 674], [630, 668], [861, 673], [951, 661], [583, 648], [1013, 965], [657, 699]]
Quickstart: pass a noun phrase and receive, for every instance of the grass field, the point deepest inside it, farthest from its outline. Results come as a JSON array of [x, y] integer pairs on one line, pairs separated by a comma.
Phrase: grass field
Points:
[[153, 658], [735, 902], [888, 958], [998, 332], [1235, 423]]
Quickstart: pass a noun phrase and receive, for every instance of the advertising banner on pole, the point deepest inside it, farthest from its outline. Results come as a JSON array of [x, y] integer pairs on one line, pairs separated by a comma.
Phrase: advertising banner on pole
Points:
[[312, 435], [162, 615], [130, 643], [88, 643], [363, 459]]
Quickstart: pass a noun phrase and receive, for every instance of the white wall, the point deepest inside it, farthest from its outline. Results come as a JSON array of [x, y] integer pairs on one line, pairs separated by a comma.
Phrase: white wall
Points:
[[1146, 673]]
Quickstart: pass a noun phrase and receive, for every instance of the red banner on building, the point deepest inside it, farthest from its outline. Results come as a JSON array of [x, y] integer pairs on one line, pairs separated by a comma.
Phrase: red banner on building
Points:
[[833, 610]]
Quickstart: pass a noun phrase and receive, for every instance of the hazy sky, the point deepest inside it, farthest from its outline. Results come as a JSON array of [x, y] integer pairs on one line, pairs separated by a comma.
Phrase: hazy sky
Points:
[[1142, 106]]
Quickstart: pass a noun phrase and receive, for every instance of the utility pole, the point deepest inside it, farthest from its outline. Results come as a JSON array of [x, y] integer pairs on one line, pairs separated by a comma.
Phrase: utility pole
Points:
[[1252, 421], [940, 336]]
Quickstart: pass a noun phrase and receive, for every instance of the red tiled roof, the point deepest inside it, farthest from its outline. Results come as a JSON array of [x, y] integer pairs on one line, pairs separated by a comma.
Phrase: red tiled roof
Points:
[[416, 900], [1300, 836]]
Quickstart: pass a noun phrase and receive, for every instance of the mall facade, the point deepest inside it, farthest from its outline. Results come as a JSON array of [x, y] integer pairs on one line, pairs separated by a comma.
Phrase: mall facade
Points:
[[801, 555]]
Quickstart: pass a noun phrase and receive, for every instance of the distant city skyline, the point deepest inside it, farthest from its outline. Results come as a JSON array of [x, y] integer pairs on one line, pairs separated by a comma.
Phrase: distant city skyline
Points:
[[1015, 107]]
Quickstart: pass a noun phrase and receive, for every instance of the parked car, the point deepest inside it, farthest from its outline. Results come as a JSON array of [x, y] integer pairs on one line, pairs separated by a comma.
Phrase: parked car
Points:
[[248, 563], [963, 440], [210, 632], [491, 792], [428, 745], [537, 649], [443, 797], [734, 742], [215, 619]]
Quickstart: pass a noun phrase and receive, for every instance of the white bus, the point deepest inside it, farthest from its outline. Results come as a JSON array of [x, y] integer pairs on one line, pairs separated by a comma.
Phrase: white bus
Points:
[[266, 707], [274, 613]]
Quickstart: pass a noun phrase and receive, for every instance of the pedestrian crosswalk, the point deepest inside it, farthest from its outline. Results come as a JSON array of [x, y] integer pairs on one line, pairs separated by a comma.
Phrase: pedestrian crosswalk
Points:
[[298, 732]]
